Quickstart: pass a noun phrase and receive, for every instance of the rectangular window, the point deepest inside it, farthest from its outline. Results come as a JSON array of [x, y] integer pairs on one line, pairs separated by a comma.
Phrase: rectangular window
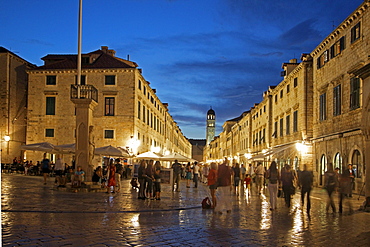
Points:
[[51, 80], [139, 110], [144, 113], [324, 58], [83, 79], [275, 134], [288, 88], [49, 132], [296, 82], [276, 98], [356, 32], [281, 126], [144, 92], [139, 84], [337, 100], [355, 93], [109, 106], [281, 93], [287, 124], [50, 105], [110, 80], [323, 107], [295, 121], [337, 48], [108, 134]]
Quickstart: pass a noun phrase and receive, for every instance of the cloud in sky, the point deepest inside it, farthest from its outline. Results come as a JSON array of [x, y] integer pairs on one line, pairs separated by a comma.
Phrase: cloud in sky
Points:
[[196, 54]]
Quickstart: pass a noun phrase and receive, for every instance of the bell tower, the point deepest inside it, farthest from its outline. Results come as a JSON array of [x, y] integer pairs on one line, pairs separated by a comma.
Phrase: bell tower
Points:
[[211, 125]]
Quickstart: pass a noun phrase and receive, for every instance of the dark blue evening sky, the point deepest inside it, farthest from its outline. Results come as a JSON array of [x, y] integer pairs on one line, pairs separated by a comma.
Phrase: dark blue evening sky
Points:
[[195, 53]]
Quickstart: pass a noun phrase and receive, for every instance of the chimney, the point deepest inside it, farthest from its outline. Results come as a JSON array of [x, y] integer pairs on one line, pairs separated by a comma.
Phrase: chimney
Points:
[[107, 51], [104, 49]]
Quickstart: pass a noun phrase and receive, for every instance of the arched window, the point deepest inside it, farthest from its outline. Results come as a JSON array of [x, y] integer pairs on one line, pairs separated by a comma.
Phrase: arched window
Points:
[[338, 162], [357, 164], [322, 168]]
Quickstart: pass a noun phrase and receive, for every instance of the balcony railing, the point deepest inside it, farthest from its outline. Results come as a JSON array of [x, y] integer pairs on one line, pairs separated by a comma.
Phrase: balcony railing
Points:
[[84, 92]]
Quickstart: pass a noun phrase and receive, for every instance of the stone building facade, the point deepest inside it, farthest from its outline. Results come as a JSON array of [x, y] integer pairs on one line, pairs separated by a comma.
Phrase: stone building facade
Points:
[[13, 103], [319, 113], [128, 109], [339, 93]]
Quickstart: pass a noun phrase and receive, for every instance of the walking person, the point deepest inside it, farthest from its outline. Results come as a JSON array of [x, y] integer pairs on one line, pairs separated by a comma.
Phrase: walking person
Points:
[[243, 171], [287, 178], [350, 173], [236, 173], [149, 172], [330, 184], [260, 172], [118, 174], [273, 177], [306, 182], [224, 188], [345, 190], [45, 166], [142, 178], [196, 174], [188, 175], [212, 183], [111, 177], [157, 180], [176, 167]]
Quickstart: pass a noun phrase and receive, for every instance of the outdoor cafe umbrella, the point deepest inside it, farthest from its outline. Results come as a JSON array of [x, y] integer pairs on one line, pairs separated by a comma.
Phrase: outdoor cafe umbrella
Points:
[[178, 157], [41, 146], [65, 148], [110, 151], [149, 156]]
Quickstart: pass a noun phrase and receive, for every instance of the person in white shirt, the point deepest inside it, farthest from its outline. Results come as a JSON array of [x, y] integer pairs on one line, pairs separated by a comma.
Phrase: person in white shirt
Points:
[[196, 174]]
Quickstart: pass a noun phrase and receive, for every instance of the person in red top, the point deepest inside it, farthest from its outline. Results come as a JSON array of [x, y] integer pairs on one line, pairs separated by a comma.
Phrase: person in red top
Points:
[[111, 176], [212, 179]]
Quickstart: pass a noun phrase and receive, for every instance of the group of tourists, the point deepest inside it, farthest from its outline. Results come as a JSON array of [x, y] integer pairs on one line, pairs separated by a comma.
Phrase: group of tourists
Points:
[[149, 177], [282, 182]]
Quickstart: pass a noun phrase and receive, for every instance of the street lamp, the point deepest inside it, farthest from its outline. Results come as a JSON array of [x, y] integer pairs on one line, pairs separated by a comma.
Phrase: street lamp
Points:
[[6, 139]]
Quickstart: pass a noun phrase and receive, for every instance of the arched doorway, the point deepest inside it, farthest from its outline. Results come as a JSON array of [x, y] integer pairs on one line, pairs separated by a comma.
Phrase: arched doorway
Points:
[[323, 164], [356, 162]]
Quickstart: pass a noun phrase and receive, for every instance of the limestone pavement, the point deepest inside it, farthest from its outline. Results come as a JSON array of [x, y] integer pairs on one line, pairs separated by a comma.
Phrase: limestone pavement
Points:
[[34, 214]]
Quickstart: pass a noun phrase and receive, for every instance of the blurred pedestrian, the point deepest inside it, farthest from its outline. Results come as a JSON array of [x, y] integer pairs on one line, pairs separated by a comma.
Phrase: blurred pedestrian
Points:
[[149, 172], [205, 173], [288, 178], [142, 178], [243, 171], [236, 173], [118, 174], [45, 166], [345, 189], [224, 187], [196, 174], [273, 177], [350, 173], [111, 177], [260, 172], [330, 185], [97, 176], [157, 180], [176, 167], [306, 182], [60, 172], [212, 183], [188, 171]]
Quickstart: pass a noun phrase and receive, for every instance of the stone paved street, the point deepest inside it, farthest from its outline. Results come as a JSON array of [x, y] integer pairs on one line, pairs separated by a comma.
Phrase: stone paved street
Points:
[[34, 214]]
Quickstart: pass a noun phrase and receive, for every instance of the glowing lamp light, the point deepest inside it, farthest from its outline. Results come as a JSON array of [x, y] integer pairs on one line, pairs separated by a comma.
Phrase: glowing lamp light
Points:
[[301, 147], [6, 138]]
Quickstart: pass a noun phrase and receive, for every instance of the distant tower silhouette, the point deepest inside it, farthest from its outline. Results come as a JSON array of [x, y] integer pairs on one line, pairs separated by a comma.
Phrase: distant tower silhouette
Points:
[[211, 126]]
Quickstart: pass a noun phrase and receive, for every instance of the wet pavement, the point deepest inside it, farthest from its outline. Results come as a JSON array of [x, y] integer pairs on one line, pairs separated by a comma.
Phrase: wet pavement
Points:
[[34, 214]]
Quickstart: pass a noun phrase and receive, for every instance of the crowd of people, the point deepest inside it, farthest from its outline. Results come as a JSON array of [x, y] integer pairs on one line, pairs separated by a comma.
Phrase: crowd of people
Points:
[[223, 180]]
